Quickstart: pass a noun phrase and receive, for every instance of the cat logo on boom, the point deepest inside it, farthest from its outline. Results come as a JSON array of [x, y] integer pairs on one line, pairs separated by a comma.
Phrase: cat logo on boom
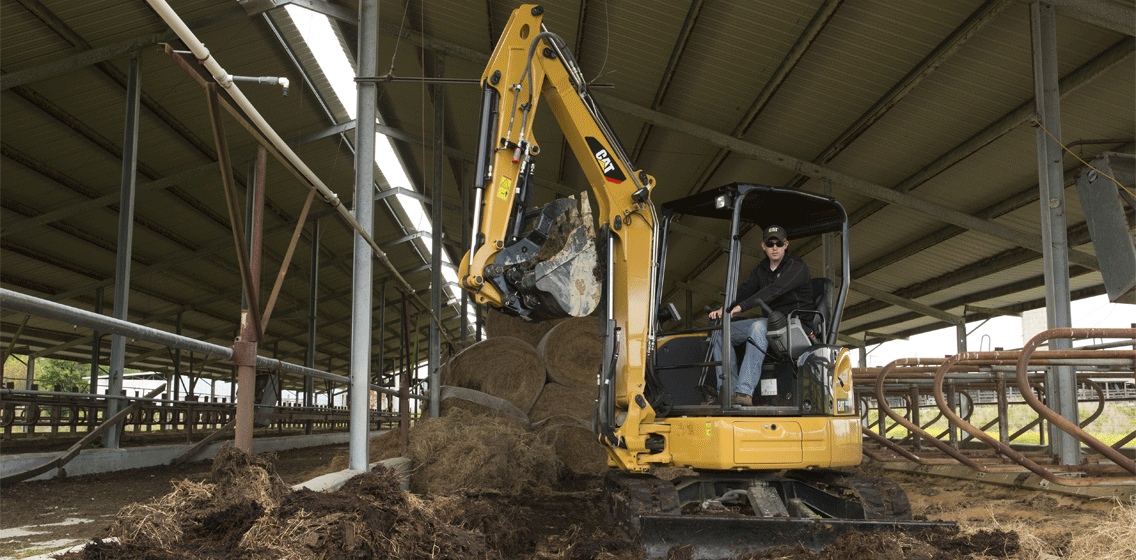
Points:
[[611, 171]]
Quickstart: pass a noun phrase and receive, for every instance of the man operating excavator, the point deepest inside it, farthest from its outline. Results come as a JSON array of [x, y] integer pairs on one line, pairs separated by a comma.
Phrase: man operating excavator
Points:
[[780, 280]]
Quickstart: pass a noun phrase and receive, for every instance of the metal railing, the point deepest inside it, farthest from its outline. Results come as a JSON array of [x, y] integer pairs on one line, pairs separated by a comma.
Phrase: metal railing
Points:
[[938, 399]]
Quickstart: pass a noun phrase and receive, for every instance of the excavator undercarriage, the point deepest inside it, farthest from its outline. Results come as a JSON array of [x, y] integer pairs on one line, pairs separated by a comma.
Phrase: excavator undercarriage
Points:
[[726, 514]]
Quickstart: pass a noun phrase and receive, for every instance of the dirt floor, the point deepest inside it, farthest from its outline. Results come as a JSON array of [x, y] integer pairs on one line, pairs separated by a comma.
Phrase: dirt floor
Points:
[[240, 508], [45, 516]]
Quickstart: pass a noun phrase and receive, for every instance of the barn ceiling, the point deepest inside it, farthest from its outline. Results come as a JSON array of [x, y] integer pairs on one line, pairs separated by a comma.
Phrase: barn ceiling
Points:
[[916, 115]]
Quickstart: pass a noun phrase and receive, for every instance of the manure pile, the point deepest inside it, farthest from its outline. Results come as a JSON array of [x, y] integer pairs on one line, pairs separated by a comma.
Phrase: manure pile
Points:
[[244, 511]]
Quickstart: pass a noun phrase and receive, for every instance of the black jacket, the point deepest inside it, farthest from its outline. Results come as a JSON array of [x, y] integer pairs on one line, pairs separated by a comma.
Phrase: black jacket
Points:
[[784, 289]]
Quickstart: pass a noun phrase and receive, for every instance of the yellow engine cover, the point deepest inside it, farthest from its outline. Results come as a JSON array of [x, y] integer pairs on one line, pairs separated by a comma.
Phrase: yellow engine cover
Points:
[[763, 443]]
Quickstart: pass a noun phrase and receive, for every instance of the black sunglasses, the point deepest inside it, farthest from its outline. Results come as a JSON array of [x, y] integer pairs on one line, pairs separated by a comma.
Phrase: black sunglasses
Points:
[[774, 243]]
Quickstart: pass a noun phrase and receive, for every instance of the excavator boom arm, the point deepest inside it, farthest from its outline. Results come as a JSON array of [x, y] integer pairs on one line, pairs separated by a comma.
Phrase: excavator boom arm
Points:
[[514, 269]]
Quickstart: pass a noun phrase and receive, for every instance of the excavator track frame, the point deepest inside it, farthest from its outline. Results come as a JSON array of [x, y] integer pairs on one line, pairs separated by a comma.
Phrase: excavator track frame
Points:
[[822, 505]]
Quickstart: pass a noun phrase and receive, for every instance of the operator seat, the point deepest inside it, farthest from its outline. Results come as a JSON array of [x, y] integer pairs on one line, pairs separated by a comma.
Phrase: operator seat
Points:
[[822, 304]]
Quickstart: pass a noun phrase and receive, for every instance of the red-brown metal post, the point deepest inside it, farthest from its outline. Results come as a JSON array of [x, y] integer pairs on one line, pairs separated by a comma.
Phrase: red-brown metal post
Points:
[[245, 347]]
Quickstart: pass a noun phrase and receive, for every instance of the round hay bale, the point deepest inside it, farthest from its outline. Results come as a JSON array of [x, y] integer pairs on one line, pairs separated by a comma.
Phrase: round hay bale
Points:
[[576, 447], [572, 352], [477, 403], [451, 349], [499, 324], [505, 367], [559, 400]]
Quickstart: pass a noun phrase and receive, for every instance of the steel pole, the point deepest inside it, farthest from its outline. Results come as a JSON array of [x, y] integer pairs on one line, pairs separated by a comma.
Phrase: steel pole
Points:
[[313, 307], [96, 345], [361, 280], [125, 244], [245, 347], [467, 187], [433, 354], [1061, 382]]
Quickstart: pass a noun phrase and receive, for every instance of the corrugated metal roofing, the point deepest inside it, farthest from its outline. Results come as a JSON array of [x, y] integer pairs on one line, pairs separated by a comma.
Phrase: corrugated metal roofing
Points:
[[62, 132]]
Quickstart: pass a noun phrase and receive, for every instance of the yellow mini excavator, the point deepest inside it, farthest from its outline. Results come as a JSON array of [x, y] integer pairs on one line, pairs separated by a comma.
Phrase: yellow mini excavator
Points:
[[774, 463]]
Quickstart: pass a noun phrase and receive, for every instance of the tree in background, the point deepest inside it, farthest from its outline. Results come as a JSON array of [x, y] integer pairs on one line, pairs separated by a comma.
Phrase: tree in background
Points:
[[15, 371], [49, 372], [64, 373]]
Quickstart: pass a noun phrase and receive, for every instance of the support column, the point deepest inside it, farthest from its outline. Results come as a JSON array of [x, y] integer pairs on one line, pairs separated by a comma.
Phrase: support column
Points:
[[382, 342], [467, 188], [30, 382], [433, 358], [313, 307], [361, 281], [1061, 382], [96, 345], [245, 347], [177, 361], [404, 377], [125, 246]]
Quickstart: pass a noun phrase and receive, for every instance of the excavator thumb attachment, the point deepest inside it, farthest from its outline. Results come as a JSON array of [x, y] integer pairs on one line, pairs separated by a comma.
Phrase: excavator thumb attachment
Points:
[[552, 271]]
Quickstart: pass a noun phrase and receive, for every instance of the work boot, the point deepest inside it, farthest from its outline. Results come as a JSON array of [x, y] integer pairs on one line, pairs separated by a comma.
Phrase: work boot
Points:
[[742, 399]]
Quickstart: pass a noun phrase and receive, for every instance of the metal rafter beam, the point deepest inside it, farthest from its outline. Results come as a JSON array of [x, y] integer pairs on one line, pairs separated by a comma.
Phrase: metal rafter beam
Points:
[[911, 304], [1022, 114], [1109, 15], [807, 37], [109, 200], [867, 188], [1007, 259], [254, 7], [71, 36], [91, 56], [948, 47], [680, 43], [1023, 198], [1029, 283], [170, 261]]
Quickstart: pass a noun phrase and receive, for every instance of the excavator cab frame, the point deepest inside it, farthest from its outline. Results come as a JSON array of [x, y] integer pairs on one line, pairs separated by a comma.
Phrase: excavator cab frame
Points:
[[808, 338]]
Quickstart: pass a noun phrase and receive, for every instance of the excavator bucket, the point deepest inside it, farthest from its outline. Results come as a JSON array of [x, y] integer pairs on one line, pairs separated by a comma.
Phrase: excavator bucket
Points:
[[562, 279], [569, 276]]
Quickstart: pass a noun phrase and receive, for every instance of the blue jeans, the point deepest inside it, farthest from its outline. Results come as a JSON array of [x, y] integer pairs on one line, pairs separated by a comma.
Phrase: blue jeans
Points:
[[753, 333]]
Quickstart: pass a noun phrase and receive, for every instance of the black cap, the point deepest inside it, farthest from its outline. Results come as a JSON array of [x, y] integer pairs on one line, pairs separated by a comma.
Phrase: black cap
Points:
[[773, 232]]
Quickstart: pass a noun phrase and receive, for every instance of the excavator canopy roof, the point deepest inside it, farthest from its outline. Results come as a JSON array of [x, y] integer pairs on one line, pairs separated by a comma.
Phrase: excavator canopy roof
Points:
[[802, 214]]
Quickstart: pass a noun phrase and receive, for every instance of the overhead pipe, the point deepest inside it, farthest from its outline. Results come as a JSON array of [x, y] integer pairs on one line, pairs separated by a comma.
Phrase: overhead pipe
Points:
[[225, 80], [66, 314]]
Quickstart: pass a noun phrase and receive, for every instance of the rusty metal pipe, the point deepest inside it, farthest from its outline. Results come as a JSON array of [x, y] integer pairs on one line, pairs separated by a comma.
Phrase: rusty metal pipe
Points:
[[881, 402], [1100, 403], [1058, 420], [891, 445]]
